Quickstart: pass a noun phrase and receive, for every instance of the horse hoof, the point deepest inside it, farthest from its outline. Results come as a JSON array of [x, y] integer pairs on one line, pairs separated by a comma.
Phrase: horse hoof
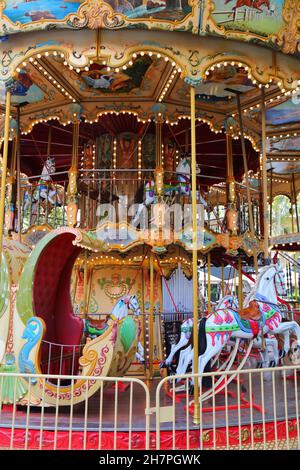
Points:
[[272, 364], [259, 365]]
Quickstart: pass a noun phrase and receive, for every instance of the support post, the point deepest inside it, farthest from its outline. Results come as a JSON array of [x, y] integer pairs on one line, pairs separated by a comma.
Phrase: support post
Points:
[[4, 167], [231, 213], [151, 316], [223, 283], [196, 417], [19, 202], [251, 222], [72, 208], [240, 286], [209, 283], [264, 174], [85, 286]]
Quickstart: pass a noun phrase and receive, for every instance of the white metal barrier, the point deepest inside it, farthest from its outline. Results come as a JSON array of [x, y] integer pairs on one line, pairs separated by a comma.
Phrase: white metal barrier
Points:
[[107, 420], [248, 409]]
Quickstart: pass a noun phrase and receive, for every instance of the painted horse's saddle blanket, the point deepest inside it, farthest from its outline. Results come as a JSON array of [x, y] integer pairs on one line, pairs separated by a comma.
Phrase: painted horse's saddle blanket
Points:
[[253, 318], [256, 315]]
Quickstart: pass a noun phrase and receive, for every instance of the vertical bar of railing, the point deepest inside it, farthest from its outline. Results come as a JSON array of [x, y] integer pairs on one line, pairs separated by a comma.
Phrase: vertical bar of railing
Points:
[[56, 414], [100, 417], [214, 410], [1, 395], [28, 413], [239, 410], [116, 414], [297, 407], [187, 413], [200, 413], [251, 410], [85, 415], [130, 415], [274, 409], [226, 412], [173, 415], [262, 389], [42, 414], [71, 416], [13, 419], [287, 439]]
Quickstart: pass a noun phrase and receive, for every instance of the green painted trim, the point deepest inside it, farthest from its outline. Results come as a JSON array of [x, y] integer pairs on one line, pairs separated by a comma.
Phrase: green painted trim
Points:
[[4, 286]]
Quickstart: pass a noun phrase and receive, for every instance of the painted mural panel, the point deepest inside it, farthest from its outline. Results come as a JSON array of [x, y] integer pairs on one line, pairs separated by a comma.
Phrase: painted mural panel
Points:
[[260, 17], [285, 113], [92, 13]]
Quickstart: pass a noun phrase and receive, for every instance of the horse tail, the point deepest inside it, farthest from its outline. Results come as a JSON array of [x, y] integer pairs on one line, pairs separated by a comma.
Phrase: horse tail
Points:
[[202, 343]]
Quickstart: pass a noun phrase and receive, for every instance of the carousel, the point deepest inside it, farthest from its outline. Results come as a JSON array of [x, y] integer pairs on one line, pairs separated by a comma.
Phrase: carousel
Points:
[[149, 224]]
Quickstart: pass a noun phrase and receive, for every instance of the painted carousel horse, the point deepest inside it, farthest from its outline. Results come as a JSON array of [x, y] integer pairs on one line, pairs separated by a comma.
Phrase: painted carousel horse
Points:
[[184, 343], [261, 313], [45, 192], [95, 328], [182, 186]]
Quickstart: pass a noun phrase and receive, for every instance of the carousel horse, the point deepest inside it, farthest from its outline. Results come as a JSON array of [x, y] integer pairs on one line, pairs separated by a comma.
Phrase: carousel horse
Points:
[[224, 324], [182, 186], [186, 332], [95, 328], [45, 192]]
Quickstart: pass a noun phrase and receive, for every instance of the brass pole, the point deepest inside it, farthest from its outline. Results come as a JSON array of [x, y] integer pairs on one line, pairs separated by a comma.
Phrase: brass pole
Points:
[[223, 286], [85, 286], [151, 315], [264, 174], [251, 222], [240, 286], [196, 417], [19, 174], [4, 167], [209, 282]]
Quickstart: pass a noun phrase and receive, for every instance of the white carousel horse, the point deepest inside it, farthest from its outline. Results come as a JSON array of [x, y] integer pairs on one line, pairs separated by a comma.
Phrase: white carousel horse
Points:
[[44, 191], [264, 294], [95, 328], [186, 332], [181, 187]]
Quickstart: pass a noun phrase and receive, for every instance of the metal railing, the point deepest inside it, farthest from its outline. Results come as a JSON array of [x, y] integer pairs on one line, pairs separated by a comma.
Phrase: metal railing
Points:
[[246, 409], [108, 419]]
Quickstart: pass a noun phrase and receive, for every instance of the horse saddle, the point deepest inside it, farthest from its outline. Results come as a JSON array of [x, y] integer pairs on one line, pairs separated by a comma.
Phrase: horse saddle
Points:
[[252, 315]]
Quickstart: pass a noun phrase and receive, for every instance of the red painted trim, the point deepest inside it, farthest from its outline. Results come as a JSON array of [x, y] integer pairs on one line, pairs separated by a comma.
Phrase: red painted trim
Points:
[[138, 438]]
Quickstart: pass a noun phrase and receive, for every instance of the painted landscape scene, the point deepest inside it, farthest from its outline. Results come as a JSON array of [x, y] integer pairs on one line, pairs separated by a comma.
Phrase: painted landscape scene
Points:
[[262, 17], [26, 11]]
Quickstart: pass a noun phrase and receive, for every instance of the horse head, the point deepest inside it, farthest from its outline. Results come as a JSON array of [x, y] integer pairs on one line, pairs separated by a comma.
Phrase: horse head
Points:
[[133, 304], [49, 167]]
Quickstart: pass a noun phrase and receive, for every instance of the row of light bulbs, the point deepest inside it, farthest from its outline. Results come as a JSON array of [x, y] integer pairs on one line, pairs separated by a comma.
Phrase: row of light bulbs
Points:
[[168, 84]]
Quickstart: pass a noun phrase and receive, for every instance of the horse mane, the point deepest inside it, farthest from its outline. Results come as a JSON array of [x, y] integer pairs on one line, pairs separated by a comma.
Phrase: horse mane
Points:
[[252, 293]]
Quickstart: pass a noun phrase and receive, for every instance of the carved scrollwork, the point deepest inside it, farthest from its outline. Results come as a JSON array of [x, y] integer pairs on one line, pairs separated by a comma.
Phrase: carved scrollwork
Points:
[[96, 14], [288, 39]]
